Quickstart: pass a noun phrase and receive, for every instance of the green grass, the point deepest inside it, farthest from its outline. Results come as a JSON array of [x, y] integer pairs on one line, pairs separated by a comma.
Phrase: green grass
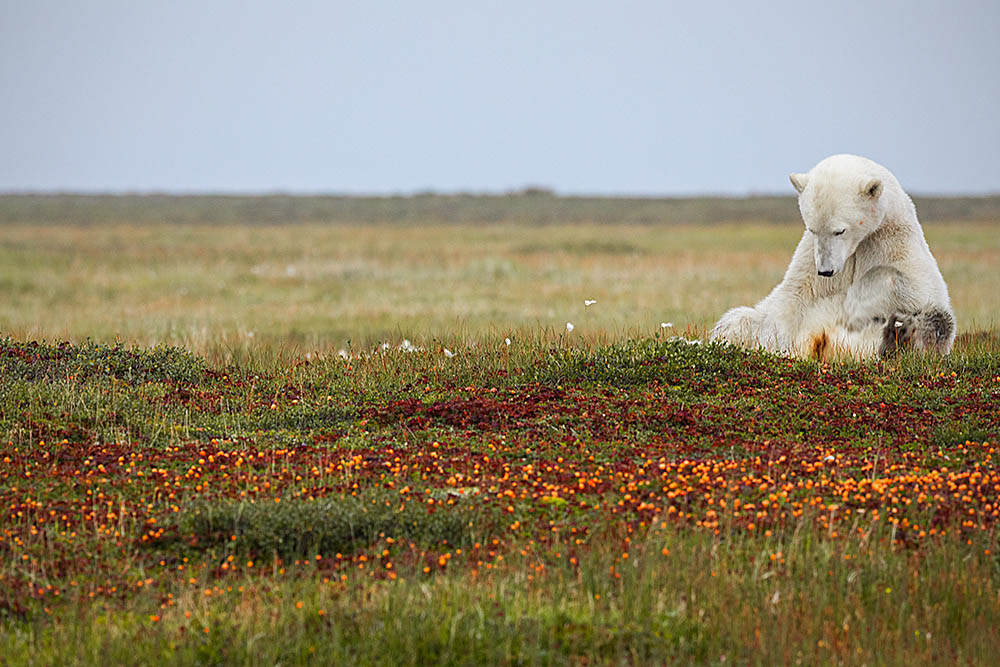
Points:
[[159, 508], [704, 601], [606, 495]]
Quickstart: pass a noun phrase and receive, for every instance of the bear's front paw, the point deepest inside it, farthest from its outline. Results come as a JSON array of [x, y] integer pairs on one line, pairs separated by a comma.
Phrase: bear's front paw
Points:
[[898, 334]]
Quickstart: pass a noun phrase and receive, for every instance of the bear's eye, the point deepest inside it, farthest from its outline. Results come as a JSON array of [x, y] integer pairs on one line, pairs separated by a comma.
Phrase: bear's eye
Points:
[[840, 232]]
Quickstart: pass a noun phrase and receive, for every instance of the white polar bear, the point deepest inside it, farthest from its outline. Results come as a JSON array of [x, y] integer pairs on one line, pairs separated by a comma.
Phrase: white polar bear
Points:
[[862, 281]]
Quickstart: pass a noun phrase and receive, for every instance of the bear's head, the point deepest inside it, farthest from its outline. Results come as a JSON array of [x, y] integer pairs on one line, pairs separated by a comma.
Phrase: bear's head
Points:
[[842, 202]]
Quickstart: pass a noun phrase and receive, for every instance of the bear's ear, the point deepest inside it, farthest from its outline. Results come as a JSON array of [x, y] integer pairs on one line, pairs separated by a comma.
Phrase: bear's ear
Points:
[[799, 181], [872, 189]]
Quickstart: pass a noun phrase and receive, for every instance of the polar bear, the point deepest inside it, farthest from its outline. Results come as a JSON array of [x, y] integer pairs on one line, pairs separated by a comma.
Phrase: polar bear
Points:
[[862, 282]]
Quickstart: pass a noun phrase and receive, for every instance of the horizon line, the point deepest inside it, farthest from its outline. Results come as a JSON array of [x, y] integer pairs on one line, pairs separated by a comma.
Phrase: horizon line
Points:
[[525, 191]]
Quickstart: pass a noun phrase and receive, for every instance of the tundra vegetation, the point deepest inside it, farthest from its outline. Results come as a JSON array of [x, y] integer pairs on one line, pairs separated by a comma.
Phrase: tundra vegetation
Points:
[[413, 459]]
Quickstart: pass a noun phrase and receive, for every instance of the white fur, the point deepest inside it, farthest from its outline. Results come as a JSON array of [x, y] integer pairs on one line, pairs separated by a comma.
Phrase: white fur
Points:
[[861, 226]]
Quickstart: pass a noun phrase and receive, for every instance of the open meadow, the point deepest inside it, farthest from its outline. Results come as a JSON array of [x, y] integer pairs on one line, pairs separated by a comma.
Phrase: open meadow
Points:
[[185, 272], [244, 431]]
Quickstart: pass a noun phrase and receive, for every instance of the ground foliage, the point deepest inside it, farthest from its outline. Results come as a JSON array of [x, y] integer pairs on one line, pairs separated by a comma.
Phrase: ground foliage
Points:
[[131, 478]]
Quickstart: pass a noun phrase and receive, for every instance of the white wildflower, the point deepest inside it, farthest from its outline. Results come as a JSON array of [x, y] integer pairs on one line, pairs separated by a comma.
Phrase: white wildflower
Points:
[[507, 341], [448, 353], [666, 325], [682, 339], [342, 353], [589, 302], [569, 326], [407, 346]]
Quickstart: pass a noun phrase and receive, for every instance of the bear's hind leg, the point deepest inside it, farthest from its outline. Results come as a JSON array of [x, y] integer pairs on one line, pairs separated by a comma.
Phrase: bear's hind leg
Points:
[[741, 326]]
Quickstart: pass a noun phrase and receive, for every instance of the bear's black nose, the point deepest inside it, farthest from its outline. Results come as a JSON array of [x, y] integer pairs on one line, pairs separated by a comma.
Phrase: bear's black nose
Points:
[[826, 274]]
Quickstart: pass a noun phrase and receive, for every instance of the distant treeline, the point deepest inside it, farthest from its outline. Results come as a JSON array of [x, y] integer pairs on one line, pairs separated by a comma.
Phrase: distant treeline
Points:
[[533, 206]]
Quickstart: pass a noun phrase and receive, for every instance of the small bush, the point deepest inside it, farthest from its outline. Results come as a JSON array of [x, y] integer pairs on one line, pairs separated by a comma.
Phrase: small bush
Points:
[[644, 361], [34, 361], [303, 528]]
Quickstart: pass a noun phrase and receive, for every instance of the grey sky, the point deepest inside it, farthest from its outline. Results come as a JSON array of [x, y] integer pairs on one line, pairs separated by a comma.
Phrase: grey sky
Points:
[[584, 97]]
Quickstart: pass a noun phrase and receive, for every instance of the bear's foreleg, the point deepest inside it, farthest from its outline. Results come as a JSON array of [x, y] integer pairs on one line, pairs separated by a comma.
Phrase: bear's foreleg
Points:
[[876, 296]]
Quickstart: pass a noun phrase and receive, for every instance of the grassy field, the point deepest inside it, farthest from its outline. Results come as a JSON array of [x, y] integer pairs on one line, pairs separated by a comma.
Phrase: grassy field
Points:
[[502, 491], [311, 286]]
